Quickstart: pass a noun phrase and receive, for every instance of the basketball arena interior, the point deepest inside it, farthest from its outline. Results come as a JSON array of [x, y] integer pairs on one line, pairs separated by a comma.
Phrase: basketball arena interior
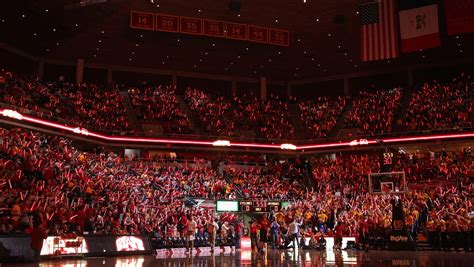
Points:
[[236, 133]]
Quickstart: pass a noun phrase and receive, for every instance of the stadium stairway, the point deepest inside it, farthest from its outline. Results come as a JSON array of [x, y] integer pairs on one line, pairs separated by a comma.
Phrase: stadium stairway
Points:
[[250, 134], [400, 117], [196, 125], [422, 243], [238, 192], [340, 121], [131, 117], [295, 118]]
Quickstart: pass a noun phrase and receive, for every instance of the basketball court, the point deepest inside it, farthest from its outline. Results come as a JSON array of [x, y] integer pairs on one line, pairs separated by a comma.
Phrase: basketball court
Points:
[[277, 258]]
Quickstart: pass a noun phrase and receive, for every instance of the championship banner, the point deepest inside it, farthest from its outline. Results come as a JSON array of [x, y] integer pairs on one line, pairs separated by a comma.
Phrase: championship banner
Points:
[[418, 25], [167, 23], [459, 16], [191, 25], [213, 28], [236, 31], [279, 37], [258, 34], [142, 20]]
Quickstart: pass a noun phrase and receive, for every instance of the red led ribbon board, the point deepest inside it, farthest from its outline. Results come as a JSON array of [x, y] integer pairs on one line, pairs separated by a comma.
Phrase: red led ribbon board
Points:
[[258, 34], [142, 20], [213, 28], [190, 25], [279, 37], [236, 31], [167, 23]]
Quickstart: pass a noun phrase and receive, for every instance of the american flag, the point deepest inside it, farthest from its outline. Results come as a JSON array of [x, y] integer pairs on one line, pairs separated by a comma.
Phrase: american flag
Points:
[[379, 35]]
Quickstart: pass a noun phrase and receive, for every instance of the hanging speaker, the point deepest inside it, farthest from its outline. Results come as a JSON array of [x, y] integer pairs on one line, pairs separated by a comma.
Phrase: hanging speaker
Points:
[[235, 6], [339, 19]]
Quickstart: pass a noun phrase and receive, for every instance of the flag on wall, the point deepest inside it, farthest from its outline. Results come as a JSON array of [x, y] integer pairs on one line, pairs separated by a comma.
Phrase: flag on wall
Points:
[[419, 27], [379, 35], [459, 16]]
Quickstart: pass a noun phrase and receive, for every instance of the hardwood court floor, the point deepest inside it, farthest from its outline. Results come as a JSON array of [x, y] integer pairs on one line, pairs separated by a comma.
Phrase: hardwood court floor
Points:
[[276, 258]]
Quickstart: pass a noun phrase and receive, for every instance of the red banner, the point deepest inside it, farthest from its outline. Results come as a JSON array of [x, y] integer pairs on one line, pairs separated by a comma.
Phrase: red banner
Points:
[[258, 34], [236, 31], [191, 25], [213, 28], [279, 37], [142, 20], [208, 27], [167, 23]]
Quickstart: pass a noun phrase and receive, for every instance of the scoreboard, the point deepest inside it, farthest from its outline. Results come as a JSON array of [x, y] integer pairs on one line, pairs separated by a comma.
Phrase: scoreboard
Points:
[[250, 206]]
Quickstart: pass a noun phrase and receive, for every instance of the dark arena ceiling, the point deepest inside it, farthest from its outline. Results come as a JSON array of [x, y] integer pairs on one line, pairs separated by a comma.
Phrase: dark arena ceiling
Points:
[[101, 33]]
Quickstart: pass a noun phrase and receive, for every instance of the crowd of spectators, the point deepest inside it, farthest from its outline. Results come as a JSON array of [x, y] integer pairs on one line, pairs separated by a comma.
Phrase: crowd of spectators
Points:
[[216, 114], [441, 214], [159, 105], [82, 105], [320, 115], [374, 113], [438, 106], [434, 106], [277, 181], [269, 118], [352, 169], [99, 192]]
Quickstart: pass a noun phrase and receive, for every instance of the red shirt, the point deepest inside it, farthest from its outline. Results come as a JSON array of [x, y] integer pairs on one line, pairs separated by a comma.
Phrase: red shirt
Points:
[[37, 236], [254, 228]]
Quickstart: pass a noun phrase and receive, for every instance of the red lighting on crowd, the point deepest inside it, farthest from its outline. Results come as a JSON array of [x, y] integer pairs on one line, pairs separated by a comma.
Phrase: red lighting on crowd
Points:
[[224, 143]]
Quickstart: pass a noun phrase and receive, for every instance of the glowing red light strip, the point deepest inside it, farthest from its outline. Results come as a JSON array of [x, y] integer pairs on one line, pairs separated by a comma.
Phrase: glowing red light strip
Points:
[[369, 142], [429, 137], [255, 145], [115, 138], [272, 146]]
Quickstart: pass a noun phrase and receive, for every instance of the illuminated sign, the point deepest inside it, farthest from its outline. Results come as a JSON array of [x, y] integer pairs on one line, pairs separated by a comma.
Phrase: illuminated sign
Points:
[[129, 243], [56, 245], [359, 142], [260, 206], [12, 114], [79, 130], [221, 143], [227, 206], [288, 146]]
